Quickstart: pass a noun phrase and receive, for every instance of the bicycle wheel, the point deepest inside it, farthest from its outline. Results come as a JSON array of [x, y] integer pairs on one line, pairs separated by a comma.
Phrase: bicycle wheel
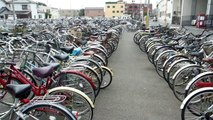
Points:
[[182, 77], [158, 51], [93, 64], [174, 68], [75, 80], [198, 105], [161, 60], [152, 50], [75, 101], [142, 41], [168, 63], [107, 79], [204, 79], [46, 111], [92, 74]]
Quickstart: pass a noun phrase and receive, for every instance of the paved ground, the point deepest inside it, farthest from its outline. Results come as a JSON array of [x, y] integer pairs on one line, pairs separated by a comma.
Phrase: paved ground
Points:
[[137, 92]]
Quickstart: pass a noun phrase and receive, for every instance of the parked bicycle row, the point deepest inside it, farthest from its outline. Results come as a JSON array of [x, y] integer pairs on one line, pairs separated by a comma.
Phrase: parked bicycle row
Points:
[[184, 60], [56, 73]]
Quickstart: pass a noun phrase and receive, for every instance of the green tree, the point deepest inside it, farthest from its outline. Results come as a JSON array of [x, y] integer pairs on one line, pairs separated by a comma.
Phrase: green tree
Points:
[[81, 12], [48, 14], [40, 3]]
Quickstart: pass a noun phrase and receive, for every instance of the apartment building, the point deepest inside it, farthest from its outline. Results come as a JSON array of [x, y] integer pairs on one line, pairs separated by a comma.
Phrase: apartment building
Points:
[[114, 9], [137, 10]]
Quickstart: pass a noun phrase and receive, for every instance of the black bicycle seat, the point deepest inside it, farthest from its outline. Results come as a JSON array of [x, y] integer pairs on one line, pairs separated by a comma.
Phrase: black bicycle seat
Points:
[[68, 49], [54, 65], [43, 72], [20, 91], [61, 57]]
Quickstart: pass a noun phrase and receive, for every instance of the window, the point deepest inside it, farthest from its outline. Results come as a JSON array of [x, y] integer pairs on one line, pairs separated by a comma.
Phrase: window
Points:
[[130, 6], [24, 7], [113, 16], [121, 11], [136, 6], [122, 6], [108, 6], [117, 11], [113, 6], [113, 11]]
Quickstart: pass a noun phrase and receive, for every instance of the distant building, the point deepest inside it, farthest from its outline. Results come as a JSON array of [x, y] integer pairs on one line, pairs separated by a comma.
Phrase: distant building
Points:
[[63, 13], [4, 10], [54, 13], [25, 9], [137, 10], [41, 11], [182, 12], [165, 12], [94, 12], [114, 9]]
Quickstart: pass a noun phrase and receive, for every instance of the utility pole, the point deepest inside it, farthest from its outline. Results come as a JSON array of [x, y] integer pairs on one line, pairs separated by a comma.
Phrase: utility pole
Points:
[[147, 16], [14, 14]]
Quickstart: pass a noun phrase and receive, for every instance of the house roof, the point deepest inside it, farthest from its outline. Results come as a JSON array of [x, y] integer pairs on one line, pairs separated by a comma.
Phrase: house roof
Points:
[[4, 1], [21, 1], [5, 10]]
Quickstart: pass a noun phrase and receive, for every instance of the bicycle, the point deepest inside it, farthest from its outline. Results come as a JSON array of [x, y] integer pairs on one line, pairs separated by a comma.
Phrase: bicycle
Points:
[[38, 108]]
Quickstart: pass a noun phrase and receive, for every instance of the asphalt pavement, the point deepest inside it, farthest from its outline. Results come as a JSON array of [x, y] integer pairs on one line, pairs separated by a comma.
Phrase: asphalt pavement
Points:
[[137, 92]]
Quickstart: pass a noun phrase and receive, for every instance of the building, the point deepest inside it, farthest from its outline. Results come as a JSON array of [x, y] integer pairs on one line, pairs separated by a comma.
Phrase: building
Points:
[[165, 11], [63, 13], [5, 12], [42, 9], [191, 8], [182, 12], [94, 12], [2, 3], [54, 13], [114, 9], [137, 10], [25, 9]]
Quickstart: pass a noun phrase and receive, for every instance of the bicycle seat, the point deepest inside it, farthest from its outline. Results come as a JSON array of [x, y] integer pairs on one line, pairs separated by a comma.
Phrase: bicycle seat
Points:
[[83, 42], [10, 34], [196, 54], [208, 60], [172, 44], [68, 49], [89, 53], [94, 37], [54, 65], [179, 48], [61, 57], [86, 38], [177, 38], [43, 72], [20, 91], [4, 33]]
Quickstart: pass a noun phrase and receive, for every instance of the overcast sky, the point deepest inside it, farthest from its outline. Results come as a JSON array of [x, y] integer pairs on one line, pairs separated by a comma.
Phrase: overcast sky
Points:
[[77, 4]]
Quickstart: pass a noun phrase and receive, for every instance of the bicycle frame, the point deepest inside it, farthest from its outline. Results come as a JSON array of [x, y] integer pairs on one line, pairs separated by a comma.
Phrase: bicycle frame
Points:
[[17, 75]]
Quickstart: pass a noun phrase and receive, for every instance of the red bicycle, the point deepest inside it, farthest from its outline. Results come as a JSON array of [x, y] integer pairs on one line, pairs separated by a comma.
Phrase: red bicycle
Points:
[[13, 75]]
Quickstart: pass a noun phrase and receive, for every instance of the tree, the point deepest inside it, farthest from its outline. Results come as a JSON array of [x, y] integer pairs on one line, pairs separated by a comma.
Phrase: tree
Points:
[[81, 12], [48, 14], [39, 3]]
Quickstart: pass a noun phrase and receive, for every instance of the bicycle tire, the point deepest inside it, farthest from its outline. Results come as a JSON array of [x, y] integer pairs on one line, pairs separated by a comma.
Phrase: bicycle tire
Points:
[[40, 107]]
